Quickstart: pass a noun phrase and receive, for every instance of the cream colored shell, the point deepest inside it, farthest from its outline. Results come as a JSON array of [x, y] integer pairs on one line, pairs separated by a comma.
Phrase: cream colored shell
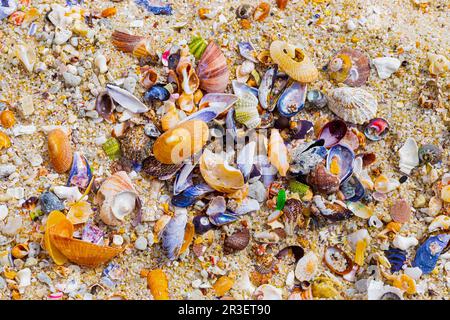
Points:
[[353, 105]]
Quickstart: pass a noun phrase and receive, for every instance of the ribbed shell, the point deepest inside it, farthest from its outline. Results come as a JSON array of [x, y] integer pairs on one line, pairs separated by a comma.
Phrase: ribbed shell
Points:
[[246, 110], [212, 69], [353, 105], [355, 68], [60, 151]]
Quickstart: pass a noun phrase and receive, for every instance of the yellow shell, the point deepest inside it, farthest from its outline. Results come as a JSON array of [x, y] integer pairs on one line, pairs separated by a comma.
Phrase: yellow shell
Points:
[[79, 212], [7, 119], [218, 174], [438, 64], [54, 218], [60, 151], [5, 142], [405, 283], [20, 251], [293, 61], [170, 119], [158, 284], [188, 237], [278, 153], [186, 102], [223, 285], [181, 142]]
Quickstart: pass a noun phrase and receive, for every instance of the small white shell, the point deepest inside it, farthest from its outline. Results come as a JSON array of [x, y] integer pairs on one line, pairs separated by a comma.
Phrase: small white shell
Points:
[[126, 99], [24, 278], [27, 56], [307, 267], [414, 273], [409, 156], [376, 289], [3, 211], [123, 204], [404, 243], [438, 64], [244, 284], [100, 63], [386, 66], [70, 194], [441, 222], [354, 105], [267, 292]]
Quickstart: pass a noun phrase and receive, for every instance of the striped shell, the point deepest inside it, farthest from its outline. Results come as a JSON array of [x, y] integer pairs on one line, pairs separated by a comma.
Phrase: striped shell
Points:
[[350, 66], [237, 241], [54, 218], [246, 110], [353, 105], [212, 69], [60, 151], [137, 45], [293, 61]]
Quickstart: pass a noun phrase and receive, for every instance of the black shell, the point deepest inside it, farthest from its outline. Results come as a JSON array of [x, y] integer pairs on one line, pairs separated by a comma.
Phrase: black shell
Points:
[[50, 202]]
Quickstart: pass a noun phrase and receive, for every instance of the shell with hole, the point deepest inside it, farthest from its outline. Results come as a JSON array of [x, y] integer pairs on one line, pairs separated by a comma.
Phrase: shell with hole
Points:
[[349, 66], [60, 151], [294, 61], [117, 198], [353, 105], [212, 69]]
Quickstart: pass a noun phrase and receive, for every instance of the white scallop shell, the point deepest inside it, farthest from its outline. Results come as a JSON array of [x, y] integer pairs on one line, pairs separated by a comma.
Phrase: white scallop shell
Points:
[[354, 105], [307, 267], [409, 156]]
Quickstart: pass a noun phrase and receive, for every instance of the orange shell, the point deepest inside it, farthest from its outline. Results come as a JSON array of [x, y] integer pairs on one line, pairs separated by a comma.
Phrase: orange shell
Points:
[[60, 151], [108, 12], [181, 142], [188, 237], [278, 153], [7, 119], [5, 142], [158, 284], [212, 69], [54, 218], [170, 119], [138, 45], [223, 285]]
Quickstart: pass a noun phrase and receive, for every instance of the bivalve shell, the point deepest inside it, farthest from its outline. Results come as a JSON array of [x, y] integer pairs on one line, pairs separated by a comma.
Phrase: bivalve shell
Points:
[[353, 105]]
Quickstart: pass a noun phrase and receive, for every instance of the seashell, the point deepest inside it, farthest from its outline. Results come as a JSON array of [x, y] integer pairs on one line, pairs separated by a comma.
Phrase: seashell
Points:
[[353, 105], [186, 102], [245, 159], [237, 241], [386, 66], [104, 106], [218, 174], [292, 211], [7, 8], [376, 129], [212, 69], [54, 218], [126, 99], [429, 153], [27, 56], [292, 100], [117, 198], [60, 151], [154, 168], [81, 174], [305, 157], [246, 206], [316, 98], [156, 7], [157, 93], [438, 64], [352, 139], [396, 258], [173, 234], [247, 50], [333, 211], [404, 243], [7, 119], [160, 225], [24, 278], [149, 78], [278, 153], [170, 119], [307, 267], [301, 128], [428, 253], [409, 156], [400, 211], [158, 284], [333, 132], [376, 290], [50, 202], [202, 224], [293, 61], [246, 111], [179, 143], [384, 184], [267, 292], [265, 96], [139, 46], [281, 4], [441, 222], [190, 195], [223, 218], [218, 101], [430, 95], [197, 46], [337, 261], [340, 161], [183, 178], [244, 70], [136, 145], [240, 89], [223, 285], [323, 181], [352, 189], [350, 66], [261, 12], [189, 79], [151, 130], [20, 251], [361, 210], [217, 205], [79, 212]]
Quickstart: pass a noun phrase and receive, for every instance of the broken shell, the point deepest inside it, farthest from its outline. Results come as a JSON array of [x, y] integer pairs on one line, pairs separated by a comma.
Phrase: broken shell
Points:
[[386, 66], [292, 100], [80, 174], [244, 70], [293, 61], [267, 292], [100, 63], [278, 153], [354, 105], [430, 95], [323, 181], [154, 168], [170, 119], [281, 4], [197, 46], [404, 243], [7, 119], [307, 267], [376, 129], [202, 224], [126, 99], [212, 69], [409, 156], [400, 211], [396, 258], [50, 202], [350, 66], [337, 260], [158, 284], [360, 210], [191, 194], [80, 212], [244, 11], [135, 144], [261, 12], [237, 241], [247, 50], [333, 132], [353, 191], [245, 159], [149, 78], [104, 106], [428, 253], [438, 64], [27, 56], [246, 111], [332, 211], [384, 184], [179, 143], [60, 151], [300, 129], [223, 285], [188, 77], [20, 250], [54, 218], [376, 290]]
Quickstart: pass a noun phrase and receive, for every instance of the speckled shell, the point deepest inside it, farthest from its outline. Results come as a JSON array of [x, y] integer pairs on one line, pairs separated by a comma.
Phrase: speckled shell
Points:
[[237, 241], [212, 69], [286, 56], [135, 144], [353, 105], [350, 66], [181, 142], [246, 110], [60, 151], [154, 168], [323, 181]]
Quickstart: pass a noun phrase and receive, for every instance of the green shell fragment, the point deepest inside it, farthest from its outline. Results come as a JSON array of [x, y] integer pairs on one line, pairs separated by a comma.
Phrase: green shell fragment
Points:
[[281, 199], [298, 187], [197, 46], [112, 148]]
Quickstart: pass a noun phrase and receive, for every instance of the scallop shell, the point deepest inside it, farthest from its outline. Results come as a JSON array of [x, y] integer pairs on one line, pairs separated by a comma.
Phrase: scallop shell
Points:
[[218, 174], [54, 218], [246, 110], [307, 267], [181, 142], [60, 151], [353, 105], [409, 156], [278, 153], [294, 61], [212, 69], [350, 66]]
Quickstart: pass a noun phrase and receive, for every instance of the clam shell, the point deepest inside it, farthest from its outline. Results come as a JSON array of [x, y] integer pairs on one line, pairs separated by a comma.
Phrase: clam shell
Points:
[[352, 189], [333, 132], [126, 99], [183, 179], [292, 209], [60, 151], [191, 194], [292, 100], [81, 174], [181, 142], [212, 69], [353, 105], [218, 100], [104, 106], [237, 241], [278, 153], [294, 61], [340, 158], [323, 181], [55, 218], [247, 50], [240, 89], [172, 236], [350, 66], [246, 111], [267, 292], [409, 156], [245, 159]]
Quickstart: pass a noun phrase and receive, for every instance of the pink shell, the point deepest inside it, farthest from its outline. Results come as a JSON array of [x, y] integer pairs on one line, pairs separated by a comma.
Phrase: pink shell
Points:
[[401, 211], [212, 69]]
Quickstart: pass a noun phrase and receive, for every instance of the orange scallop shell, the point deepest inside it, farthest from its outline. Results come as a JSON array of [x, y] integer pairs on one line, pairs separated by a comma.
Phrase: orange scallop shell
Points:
[[158, 284], [60, 151], [212, 69], [181, 142]]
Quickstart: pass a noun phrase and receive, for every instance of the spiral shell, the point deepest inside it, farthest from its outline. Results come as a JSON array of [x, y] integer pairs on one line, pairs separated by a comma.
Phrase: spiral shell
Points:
[[60, 151], [353, 105], [350, 66], [293, 61], [246, 110]]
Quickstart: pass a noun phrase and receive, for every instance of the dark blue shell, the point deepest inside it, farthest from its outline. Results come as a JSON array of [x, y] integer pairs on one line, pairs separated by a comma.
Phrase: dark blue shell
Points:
[[190, 195], [396, 257], [155, 7], [223, 218], [50, 202], [428, 253], [302, 128], [292, 100], [157, 92], [202, 224], [80, 174], [352, 189]]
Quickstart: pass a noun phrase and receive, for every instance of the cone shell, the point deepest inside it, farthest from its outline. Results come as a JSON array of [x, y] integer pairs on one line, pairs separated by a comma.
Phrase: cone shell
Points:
[[54, 218], [350, 66], [293, 61], [246, 110], [60, 151], [212, 69], [278, 153], [353, 105], [219, 175], [158, 284], [181, 142]]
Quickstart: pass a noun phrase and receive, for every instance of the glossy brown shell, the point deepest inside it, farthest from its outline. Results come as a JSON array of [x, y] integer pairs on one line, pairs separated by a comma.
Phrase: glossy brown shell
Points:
[[322, 181], [59, 150], [237, 241], [292, 209]]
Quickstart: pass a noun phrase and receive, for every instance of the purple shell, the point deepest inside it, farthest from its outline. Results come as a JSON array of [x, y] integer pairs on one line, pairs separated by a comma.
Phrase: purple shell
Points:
[[352, 189], [333, 132], [302, 128], [92, 234], [190, 195], [223, 218], [292, 100], [80, 174], [202, 224]]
